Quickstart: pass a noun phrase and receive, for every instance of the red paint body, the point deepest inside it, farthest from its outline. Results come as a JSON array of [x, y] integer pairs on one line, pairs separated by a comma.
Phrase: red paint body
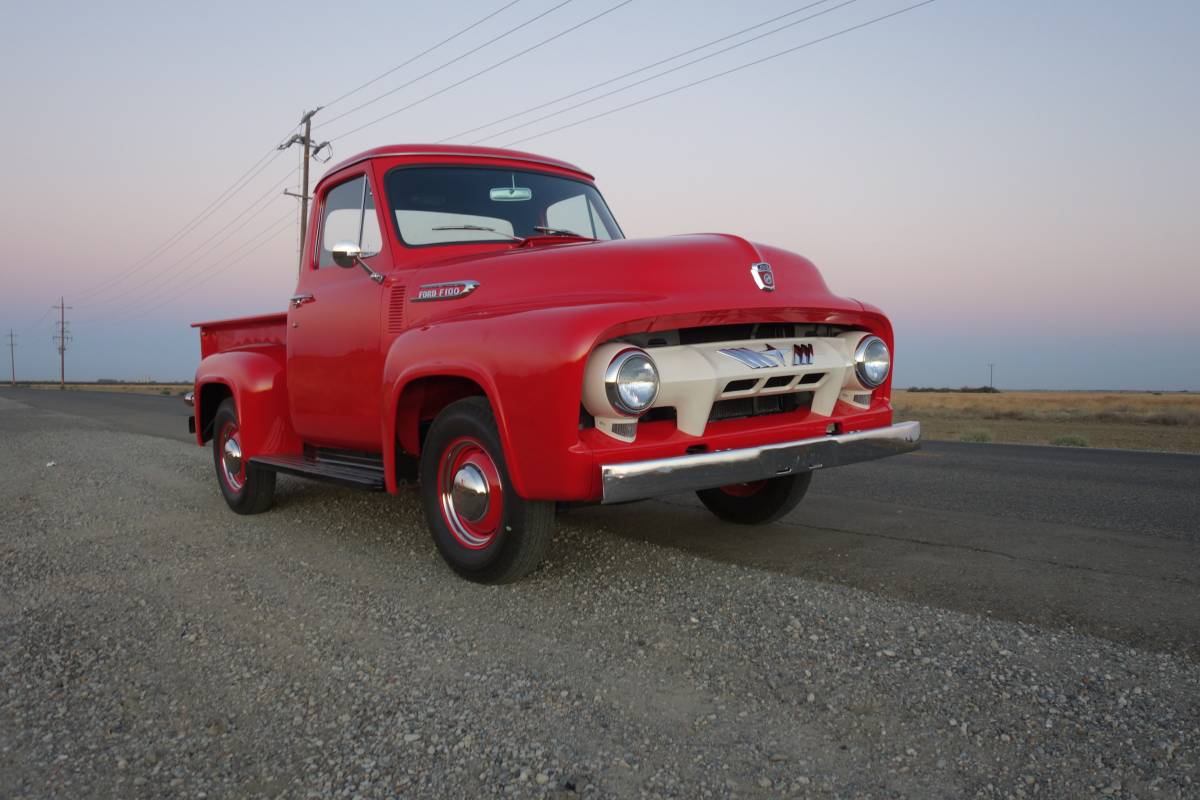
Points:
[[362, 366]]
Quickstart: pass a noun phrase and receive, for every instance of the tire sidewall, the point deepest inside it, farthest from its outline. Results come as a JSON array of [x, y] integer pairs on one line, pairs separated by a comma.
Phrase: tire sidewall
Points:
[[226, 413], [775, 499], [465, 419]]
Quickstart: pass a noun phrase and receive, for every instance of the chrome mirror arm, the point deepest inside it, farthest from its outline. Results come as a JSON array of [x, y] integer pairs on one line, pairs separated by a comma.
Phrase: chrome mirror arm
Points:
[[347, 254], [372, 274]]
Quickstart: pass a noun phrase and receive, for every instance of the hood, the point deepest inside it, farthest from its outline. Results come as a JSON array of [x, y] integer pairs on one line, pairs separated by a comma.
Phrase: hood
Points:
[[697, 279]]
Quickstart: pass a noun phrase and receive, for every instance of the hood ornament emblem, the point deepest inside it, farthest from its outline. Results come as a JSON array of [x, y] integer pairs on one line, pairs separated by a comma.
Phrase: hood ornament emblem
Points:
[[771, 357], [764, 278]]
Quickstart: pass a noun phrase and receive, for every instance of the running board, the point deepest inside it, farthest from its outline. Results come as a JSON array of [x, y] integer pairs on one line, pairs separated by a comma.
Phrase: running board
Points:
[[360, 475]]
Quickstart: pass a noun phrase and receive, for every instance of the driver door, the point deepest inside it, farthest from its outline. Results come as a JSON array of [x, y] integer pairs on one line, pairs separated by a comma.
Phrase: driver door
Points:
[[335, 366]]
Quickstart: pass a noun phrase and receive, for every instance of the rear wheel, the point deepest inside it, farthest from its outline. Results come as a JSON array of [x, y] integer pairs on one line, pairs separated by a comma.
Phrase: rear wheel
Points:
[[759, 502], [484, 530], [247, 489]]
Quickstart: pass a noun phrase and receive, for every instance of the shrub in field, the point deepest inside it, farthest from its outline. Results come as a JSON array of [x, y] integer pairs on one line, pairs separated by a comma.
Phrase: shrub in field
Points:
[[1069, 441], [961, 390], [1176, 418], [977, 435]]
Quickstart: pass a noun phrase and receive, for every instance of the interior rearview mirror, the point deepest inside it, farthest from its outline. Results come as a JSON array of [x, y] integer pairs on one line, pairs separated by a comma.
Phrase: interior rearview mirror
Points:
[[346, 254], [511, 194]]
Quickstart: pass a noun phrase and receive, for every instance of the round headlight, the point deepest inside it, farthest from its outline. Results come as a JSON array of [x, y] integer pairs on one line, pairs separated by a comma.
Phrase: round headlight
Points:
[[872, 361], [631, 382]]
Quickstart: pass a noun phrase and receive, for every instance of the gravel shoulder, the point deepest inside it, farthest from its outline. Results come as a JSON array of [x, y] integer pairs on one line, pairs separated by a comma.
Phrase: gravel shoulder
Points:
[[153, 644]]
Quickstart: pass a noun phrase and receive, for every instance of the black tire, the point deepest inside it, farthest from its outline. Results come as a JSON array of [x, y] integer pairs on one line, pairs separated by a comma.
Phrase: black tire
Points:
[[501, 543], [758, 503], [250, 491]]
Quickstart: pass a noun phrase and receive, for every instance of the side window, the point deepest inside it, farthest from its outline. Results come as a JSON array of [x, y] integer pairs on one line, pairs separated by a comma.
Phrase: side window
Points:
[[349, 216], [576, 214]]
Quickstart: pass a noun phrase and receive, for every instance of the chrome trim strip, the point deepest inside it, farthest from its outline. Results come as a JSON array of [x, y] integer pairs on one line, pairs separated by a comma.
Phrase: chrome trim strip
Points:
[[641, 479]]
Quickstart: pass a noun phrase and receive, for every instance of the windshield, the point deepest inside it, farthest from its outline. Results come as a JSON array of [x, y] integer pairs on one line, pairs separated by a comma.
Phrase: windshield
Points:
[[454, 205]]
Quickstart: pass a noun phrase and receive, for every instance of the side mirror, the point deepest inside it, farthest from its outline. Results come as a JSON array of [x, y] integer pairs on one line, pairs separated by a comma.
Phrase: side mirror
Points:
[[346, 254]]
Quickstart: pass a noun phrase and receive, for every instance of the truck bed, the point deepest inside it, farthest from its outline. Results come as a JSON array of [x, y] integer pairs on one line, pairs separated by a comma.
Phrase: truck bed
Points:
[[239, 333]]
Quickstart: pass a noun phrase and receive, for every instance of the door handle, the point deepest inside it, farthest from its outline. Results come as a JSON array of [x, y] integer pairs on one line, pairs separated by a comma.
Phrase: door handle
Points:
[[300, 299]]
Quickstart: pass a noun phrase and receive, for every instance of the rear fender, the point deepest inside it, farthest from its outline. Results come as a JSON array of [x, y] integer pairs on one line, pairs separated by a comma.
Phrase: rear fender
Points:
[[257, 381]]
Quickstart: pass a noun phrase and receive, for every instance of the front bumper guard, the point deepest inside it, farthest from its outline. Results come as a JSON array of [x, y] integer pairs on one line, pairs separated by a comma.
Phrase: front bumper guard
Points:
[[639, 480]]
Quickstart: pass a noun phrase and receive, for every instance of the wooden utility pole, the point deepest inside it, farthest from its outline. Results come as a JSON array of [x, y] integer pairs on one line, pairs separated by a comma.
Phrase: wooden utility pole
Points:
[[63, 339], [12, 355], [305, 141]]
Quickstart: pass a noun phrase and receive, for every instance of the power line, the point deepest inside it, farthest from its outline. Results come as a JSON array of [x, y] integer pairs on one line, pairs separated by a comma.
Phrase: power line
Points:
[[723, 73], [267, 235], [165, 276], [500, 63], [667, 71], [167, 290], [248, 176], [33, 325], [424, 52], [222, 267], [454, 60], [623, 75], [237, 186]]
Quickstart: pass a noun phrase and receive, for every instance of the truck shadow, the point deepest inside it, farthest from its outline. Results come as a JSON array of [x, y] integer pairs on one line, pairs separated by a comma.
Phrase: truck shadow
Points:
[[943, 560]]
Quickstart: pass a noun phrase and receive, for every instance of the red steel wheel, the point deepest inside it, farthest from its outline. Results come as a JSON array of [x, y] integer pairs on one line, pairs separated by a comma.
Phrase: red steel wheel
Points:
[[229, 443], [484, 530], [744, 489], [471, 493]]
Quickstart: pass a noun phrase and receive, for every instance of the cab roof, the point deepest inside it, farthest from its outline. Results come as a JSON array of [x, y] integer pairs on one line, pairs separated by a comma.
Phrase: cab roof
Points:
[[458, 151]]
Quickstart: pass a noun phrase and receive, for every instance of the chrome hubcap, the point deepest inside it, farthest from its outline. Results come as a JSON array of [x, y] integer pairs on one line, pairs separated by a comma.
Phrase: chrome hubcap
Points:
[[469, 493], [231, 459]]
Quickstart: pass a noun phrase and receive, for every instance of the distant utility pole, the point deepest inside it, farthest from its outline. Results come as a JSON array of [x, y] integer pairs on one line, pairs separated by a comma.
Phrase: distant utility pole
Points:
[[12, 355], [305, 140], [991, 375], [62, 339]]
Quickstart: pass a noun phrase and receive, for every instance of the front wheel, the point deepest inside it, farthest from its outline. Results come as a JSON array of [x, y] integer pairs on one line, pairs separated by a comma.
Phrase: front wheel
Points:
[[759, 502], [484, 530]]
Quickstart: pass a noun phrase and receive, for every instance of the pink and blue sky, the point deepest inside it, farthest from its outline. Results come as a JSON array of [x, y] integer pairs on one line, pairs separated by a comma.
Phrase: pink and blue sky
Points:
[[1013, 182]]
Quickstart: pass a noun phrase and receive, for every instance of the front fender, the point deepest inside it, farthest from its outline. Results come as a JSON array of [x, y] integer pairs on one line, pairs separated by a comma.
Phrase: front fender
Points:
[[529, 364], [257, 379]]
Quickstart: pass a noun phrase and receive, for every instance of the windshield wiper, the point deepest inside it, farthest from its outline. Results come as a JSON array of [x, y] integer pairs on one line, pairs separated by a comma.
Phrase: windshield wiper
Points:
[[478, 228], [560, 232]]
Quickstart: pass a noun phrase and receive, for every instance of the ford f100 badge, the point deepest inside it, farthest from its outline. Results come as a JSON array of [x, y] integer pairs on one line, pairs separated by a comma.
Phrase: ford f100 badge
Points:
[[445, 291], [764, 278]]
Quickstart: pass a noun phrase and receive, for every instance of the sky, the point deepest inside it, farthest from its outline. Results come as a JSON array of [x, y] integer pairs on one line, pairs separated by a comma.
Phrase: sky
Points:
[[1015, 182]]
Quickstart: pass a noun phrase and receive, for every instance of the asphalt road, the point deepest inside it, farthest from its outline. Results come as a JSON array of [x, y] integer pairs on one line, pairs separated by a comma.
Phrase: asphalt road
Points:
[[1099, 541]]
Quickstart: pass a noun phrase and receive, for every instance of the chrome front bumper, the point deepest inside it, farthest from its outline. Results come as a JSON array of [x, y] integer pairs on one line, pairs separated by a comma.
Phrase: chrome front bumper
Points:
[[641, 479]]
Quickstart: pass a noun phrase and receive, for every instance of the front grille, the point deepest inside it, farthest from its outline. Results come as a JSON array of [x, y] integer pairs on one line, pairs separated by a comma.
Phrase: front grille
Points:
[[740, 407], [760, 330]]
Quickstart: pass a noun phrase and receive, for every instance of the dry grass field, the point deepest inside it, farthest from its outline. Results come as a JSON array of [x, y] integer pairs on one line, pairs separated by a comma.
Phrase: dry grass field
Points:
[[1131, 420], [132, 388]]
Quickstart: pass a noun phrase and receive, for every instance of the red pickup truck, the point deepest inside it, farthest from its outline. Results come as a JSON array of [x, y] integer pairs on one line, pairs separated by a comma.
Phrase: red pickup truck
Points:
[[473, 321]]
